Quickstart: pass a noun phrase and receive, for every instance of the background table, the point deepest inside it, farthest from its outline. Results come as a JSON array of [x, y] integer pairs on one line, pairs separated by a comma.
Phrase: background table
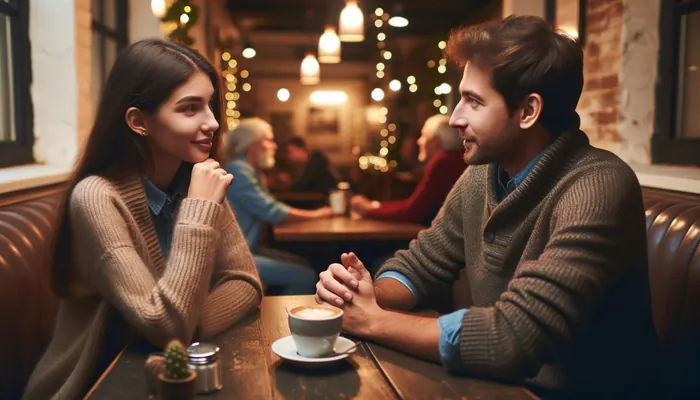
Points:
[[344, 228]]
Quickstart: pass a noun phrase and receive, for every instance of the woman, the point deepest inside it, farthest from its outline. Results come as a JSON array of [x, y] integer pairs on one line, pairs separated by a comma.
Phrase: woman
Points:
[[146, 247]]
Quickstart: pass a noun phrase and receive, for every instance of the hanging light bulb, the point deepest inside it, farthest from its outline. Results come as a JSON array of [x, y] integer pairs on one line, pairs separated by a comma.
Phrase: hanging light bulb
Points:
[[329, 47], [352, 23], [398, 19], [310, 70], [248, 50], [158, 8]]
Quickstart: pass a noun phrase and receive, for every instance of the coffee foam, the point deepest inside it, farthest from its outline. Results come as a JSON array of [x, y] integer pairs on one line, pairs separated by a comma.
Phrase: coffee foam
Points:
[[314, 312]]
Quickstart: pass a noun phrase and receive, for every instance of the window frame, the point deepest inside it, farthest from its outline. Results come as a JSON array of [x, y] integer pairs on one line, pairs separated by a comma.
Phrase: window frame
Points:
[[119, 34], [666, 147], [20, 150], [550, 13]]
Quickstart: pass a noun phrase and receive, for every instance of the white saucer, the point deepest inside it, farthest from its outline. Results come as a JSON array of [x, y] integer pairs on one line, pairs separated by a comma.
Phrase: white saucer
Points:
[[286, 349]]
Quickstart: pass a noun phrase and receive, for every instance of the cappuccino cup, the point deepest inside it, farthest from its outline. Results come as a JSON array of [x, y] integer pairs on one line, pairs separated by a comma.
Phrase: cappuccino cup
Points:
[[315, 329]]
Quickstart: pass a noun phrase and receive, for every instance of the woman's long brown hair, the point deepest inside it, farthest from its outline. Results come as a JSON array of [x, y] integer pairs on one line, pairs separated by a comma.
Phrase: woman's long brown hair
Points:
[[144, 75]]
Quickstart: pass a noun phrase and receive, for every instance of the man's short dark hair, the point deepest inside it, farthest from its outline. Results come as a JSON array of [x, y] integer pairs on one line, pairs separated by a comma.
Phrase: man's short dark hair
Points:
[[525, 55]]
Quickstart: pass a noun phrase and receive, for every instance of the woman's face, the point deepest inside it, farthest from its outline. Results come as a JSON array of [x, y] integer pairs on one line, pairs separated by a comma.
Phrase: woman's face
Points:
[[182, 128]]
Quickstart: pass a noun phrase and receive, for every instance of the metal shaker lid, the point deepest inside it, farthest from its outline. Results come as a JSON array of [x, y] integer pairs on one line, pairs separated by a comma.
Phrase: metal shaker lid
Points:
[[202, 353]]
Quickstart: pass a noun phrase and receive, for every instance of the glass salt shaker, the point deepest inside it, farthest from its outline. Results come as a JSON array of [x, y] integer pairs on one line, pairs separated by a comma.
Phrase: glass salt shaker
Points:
[[204, 360]]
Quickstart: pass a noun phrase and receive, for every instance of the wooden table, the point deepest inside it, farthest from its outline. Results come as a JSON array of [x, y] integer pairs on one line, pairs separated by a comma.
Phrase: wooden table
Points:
[[253, 371], [344, 228]]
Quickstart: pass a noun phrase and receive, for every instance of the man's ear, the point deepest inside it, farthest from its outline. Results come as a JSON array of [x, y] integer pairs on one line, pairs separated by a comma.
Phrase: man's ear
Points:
[[531, 110], [135, 121]]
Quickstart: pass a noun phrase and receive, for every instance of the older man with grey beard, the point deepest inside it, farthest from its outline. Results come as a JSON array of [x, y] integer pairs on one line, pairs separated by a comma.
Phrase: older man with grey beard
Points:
[[252, 150]]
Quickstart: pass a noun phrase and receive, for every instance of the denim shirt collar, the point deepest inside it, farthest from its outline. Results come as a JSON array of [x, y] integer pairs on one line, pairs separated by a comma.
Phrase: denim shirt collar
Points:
[[157, 199], [506, 185]]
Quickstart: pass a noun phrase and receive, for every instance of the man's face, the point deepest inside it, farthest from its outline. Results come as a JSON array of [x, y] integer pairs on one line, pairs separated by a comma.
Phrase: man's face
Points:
[[428, 145], [489, 131], [264, 151]]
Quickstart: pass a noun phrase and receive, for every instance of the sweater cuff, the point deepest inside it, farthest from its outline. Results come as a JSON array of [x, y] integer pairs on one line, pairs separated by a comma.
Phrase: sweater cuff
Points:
[[473, 342], [199, 212]]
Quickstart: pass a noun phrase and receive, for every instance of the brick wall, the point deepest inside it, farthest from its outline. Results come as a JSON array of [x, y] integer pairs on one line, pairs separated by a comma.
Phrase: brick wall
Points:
[[620, 59], [599, 105]]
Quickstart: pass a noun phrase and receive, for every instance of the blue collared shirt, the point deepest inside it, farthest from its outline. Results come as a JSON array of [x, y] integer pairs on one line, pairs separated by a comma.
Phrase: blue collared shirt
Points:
[[164, 209], [252, 202], [451, 324]]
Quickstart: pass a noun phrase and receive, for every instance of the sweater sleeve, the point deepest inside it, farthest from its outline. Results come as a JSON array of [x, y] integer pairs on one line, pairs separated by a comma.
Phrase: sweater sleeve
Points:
[[237, 288], [550, 300], [247, 193], [425, 199], [159, 308], [434, 259]]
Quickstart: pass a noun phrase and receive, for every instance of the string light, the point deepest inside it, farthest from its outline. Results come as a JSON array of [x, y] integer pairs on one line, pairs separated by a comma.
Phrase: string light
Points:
[[228, 66]]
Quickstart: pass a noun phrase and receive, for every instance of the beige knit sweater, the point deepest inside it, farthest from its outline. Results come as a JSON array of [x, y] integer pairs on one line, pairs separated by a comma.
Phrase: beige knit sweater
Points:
[[208, 282], [557, 271]]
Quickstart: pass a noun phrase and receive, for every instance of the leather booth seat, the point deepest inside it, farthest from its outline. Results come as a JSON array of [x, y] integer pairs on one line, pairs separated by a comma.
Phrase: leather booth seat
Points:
[[28, 306], [673, 236]]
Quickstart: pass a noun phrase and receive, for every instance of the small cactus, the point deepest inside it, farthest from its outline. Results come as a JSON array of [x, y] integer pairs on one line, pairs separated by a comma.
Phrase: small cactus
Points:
[[176, 367]]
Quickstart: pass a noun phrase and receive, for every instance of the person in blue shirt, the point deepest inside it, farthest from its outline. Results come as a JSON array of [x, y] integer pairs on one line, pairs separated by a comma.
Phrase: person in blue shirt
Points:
[[252, 149]]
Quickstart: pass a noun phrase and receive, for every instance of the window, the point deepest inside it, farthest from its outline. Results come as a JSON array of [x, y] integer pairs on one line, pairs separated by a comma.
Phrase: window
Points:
[[676, 137], [16, 132], [109, 36]]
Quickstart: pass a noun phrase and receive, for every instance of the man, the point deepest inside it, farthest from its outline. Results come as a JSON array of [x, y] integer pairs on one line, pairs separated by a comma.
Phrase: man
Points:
[[252, 148], [441, 147], [313, 172], [549, 229]]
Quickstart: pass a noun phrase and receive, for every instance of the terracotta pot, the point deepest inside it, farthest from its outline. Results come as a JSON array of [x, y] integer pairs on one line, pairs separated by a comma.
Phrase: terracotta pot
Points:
[[179, 389]]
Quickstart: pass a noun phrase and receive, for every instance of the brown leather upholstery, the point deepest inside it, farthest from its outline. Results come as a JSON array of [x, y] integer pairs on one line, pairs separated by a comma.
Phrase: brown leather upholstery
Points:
[[673, 235], [27, 304]]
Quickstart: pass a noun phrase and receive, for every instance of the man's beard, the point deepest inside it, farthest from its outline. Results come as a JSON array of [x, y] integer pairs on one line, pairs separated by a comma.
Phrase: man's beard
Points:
[[266, 161]]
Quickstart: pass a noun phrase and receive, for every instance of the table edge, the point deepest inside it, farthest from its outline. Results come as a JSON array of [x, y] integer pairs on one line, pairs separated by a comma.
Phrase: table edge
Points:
[[105, 373], [394, 386]]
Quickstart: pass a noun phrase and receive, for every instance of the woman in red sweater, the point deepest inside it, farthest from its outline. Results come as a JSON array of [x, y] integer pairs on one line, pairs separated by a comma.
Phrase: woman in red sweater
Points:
[[441, 148]]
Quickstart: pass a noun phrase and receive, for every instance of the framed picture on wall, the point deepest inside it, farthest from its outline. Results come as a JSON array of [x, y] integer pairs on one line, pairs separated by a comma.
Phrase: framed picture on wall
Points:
[[322, 121], [569, 16]]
